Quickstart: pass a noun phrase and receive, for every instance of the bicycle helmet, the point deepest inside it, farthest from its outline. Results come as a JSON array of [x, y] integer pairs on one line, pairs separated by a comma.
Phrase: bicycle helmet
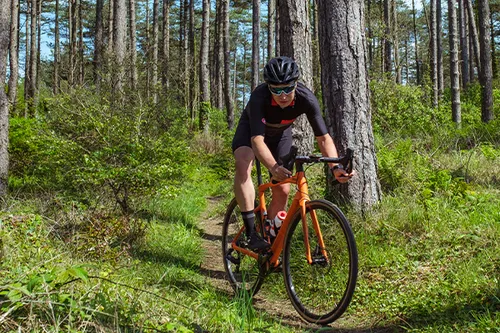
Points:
[[281, 70]]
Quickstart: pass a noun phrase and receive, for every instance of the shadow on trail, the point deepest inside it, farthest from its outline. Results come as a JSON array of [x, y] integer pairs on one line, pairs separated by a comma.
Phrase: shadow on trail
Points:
[[213, 238], [460, 315], [213, 274]]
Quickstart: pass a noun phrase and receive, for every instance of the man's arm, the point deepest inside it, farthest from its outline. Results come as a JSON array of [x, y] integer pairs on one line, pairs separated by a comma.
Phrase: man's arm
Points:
[[265, 156]]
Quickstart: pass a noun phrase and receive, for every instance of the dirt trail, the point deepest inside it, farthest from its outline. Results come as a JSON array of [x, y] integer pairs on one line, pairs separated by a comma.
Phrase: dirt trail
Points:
[[213, 268]]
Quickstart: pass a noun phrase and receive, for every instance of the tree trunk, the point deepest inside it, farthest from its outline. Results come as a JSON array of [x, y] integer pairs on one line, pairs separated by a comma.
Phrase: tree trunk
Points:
[[217, 94], [434, 53], [397, 59], [464, 44], [27, 58], [119, 47], [166, 45], [72, 41], [473, 34], [33, 60], [346, 96], [485, 72], [14, 53], [192, 89], [5, 12], [439, 37], [296, 43], [415, 38], [493, 48], [204, 72], [454, 72], [154, 49], [81, 62], [227, 68], [133, 46], [271, 25], [387, 38], [98, 43], [255, 42], [277, 30], [315, 48]]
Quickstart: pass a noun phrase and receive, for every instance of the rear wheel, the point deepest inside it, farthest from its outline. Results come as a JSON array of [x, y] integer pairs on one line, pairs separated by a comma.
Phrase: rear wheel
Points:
[[242, 271], [321, 291]]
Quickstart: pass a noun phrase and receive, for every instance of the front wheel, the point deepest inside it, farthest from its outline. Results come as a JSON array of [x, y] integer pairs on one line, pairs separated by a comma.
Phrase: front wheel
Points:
[[322, 290], [242, 271]]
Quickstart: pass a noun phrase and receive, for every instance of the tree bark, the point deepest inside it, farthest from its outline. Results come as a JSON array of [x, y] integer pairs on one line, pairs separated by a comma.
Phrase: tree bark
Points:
[[227, 68], [473, 34], [434, 54], [119, 47], [439, 38], [295, 32], [387, 37], [5, 12], [81, 62], [166, 45], [14, 53], [133, 45], [98, 43], [204, 72], [346, 96], [154, 60], [454, 72], [33, 57], [271, 25], [464, 44], [192, 91], [255, 42], [486, 71], [415, 38]]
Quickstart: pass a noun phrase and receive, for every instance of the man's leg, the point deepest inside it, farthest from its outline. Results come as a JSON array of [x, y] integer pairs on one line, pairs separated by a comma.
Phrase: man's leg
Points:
[[279, 200], [243, 184], [245, 196]]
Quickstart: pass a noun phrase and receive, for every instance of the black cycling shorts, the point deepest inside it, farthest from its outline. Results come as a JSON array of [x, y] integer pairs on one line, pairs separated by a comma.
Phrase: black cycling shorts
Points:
[[279, 144]]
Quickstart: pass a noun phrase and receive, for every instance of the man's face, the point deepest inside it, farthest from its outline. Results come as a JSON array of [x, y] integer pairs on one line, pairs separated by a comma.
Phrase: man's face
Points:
[[283, 94]]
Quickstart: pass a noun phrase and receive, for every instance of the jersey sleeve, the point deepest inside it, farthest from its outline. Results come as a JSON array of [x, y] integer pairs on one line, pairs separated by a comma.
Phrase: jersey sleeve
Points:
[[255, 109], [314, 115]]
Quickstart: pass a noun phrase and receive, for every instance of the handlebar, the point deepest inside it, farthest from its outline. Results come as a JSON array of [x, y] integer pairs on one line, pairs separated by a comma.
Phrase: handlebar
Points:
[[291, 158]]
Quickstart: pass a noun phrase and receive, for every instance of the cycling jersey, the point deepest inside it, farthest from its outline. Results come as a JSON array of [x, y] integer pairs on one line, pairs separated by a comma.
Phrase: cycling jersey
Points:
[[263, 116]]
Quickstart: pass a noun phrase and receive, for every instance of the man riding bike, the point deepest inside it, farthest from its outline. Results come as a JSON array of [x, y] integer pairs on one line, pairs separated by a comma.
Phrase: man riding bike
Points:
[[265, 131]]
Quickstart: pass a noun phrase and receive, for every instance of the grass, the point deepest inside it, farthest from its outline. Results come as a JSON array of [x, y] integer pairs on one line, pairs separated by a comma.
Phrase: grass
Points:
[[429, 254]]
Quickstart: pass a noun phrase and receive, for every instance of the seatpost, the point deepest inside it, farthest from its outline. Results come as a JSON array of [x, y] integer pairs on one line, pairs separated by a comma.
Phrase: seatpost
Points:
[[259, 174]]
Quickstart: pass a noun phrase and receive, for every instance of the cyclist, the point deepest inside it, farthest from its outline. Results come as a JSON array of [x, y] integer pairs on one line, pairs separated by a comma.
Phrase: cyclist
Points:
[[264, 131]]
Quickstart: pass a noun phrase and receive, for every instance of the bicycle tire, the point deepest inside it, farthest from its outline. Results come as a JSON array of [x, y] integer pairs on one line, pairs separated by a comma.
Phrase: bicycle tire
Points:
[[242, 271], [322, 291]]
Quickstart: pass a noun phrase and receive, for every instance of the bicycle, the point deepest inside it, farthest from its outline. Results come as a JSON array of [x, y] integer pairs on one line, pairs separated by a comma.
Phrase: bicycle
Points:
[[319, 259]]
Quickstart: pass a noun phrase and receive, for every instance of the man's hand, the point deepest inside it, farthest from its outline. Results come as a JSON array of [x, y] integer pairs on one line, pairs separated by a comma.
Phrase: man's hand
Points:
[[280, 173], [341, 175]]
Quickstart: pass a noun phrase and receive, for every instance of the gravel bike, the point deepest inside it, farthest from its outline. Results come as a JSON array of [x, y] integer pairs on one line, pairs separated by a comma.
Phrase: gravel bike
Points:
[[315, 247]]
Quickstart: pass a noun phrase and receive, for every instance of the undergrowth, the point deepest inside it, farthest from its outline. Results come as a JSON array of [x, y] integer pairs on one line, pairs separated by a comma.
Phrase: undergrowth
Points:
[[100, 230]]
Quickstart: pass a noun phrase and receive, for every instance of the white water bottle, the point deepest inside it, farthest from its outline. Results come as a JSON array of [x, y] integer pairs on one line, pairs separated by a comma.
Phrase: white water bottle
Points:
[[277, 222]]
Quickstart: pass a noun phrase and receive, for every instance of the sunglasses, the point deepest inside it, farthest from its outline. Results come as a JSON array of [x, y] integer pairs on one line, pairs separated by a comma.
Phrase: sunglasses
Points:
[[282, 90]]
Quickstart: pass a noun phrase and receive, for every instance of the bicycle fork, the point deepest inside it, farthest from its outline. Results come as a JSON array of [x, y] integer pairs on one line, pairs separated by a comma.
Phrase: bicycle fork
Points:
[[320, 247]]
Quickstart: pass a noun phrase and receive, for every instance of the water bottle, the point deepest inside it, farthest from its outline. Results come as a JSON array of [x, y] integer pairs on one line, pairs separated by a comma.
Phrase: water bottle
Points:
[[277, 222]]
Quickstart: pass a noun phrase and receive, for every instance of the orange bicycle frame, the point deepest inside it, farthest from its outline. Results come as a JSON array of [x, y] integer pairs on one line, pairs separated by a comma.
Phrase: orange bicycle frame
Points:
[[299, 201]]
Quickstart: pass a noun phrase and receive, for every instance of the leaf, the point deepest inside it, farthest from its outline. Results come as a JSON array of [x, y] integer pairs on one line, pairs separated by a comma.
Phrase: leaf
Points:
[[78, 272]]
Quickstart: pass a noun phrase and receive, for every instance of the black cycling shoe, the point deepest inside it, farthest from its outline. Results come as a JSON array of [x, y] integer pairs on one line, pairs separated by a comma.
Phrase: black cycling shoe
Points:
[[257, 243]]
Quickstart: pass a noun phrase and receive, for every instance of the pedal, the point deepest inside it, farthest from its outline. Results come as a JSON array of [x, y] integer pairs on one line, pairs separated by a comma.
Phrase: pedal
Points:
[[320, 261]]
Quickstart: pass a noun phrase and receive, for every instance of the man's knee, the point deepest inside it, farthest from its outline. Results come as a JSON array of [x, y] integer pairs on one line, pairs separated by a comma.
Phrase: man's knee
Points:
[[281, 192]]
